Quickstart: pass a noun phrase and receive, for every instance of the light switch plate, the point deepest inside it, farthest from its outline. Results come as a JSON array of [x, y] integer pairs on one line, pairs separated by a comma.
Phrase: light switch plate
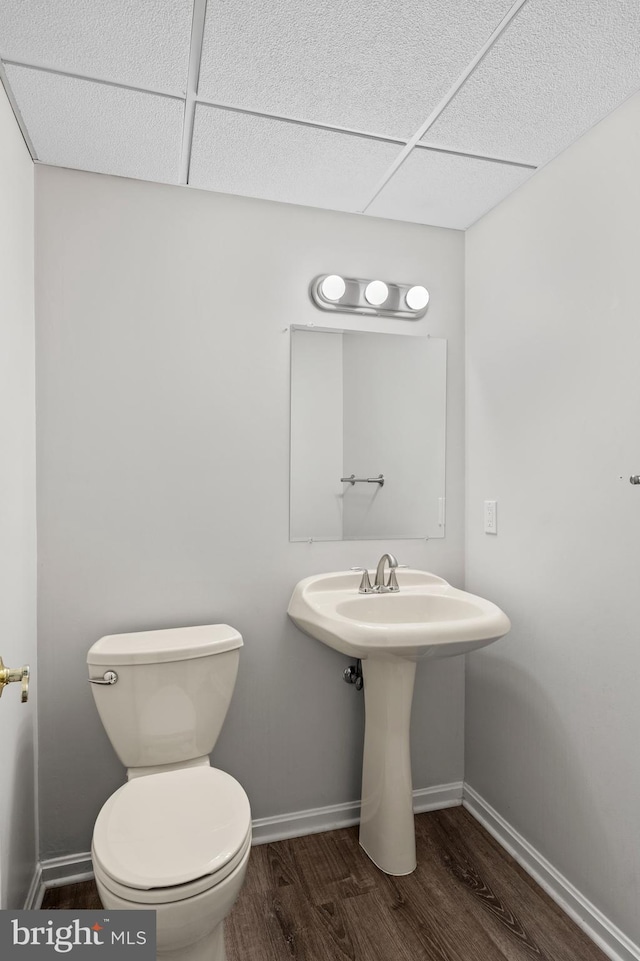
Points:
[[491, 517]]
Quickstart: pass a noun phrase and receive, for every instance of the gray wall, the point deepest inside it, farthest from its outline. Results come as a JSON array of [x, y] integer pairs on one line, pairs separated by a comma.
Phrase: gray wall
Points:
[[553, 421], [163, 438], [17, 511]]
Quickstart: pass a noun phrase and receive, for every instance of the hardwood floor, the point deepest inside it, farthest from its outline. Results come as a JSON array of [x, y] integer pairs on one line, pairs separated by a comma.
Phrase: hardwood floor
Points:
[[319, 898]]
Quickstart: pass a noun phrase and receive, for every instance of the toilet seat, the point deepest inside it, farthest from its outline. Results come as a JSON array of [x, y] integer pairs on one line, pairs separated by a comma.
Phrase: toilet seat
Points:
[[157, 896], [168, 836]]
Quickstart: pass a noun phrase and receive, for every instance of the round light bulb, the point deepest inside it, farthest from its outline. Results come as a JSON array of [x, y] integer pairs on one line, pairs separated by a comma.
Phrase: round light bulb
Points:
[[376, 293], [332, 287], [417, 298]]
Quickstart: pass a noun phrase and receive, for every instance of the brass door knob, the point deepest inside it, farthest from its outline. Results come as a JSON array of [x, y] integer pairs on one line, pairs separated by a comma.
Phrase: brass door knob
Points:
[[21, 675]]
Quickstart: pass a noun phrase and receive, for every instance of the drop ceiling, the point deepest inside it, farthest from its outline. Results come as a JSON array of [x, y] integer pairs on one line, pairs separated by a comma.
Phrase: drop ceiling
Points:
[[430, 111]]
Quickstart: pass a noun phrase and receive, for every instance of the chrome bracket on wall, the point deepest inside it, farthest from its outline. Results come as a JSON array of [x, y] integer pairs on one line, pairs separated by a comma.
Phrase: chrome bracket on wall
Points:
[[352, 479]]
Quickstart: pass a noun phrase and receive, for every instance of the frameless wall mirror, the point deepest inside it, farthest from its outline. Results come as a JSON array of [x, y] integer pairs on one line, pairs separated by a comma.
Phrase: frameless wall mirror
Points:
[[367, 435]]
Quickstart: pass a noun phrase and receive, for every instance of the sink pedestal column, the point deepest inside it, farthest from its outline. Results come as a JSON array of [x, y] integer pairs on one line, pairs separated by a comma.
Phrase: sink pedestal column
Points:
[[387, 830]]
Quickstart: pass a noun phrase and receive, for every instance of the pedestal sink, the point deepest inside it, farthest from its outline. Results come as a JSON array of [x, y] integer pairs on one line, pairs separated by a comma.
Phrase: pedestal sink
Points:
[[390, 633]]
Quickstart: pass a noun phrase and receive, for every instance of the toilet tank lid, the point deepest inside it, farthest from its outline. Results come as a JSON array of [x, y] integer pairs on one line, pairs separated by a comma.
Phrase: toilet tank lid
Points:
[[174, 644]]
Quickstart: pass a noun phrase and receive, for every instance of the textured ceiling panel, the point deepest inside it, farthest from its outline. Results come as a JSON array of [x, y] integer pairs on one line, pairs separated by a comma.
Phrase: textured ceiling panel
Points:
[[379, 67], [240, 153], [93, 126], [142, 44], [445, 190], [556, 70]]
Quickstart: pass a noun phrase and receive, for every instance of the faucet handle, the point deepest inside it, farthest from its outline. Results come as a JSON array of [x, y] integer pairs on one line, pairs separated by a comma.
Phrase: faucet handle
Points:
[[392, 583], [365, 583]]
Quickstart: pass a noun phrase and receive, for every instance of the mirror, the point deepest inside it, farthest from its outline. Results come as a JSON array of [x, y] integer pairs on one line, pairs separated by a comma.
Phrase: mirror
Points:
[[365, 405]]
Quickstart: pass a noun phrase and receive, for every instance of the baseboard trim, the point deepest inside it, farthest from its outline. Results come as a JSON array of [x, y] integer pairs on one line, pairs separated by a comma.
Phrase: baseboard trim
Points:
[[298, 823], [438, 797], [609, 938], [317, 820], [67, 870], [36, 890], [55, 872]]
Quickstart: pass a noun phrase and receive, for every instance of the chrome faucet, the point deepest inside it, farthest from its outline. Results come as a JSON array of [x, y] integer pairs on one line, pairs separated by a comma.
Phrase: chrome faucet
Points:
[[391, 584], [379, 586]]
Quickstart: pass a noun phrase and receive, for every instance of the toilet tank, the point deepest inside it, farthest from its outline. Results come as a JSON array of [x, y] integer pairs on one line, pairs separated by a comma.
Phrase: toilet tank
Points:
[[172, 693]]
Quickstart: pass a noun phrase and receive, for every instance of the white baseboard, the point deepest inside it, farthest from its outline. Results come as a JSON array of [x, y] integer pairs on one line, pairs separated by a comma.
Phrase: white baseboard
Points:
[[334, 816], [298, 823], [58, 871], [615, 944], [36, 890], [438, 797], [65, 870]]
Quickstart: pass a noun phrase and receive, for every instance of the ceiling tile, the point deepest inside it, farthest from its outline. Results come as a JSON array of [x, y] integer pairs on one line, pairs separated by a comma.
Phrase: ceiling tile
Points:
[[93, 126], [139, 44], [240, 153], [378, 67], [556, 70], [445, 190]]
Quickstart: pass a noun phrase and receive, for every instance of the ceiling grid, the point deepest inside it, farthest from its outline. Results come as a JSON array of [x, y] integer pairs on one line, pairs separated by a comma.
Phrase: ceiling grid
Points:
[[321, 104], [446, 100], [193, 75]]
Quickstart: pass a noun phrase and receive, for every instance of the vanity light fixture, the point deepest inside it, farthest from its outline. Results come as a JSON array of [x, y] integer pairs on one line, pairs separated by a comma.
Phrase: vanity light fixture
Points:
[[353, 295]]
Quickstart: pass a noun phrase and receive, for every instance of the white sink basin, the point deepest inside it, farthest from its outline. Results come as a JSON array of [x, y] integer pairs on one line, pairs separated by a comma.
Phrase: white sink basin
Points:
[[427, 617]]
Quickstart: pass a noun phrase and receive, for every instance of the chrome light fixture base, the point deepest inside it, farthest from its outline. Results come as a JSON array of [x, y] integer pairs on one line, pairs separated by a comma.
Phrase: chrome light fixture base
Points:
[[353, 295]]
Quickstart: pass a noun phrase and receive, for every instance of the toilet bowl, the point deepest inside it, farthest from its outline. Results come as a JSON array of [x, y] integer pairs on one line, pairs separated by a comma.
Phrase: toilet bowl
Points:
[[176, 837]]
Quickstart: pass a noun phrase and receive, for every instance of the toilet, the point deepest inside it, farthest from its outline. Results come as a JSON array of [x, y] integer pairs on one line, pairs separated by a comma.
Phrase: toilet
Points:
[[176, 837]]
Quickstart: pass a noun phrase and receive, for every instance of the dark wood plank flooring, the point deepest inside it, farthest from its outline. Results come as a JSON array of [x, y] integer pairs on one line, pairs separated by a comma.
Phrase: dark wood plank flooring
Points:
[[319, 898]]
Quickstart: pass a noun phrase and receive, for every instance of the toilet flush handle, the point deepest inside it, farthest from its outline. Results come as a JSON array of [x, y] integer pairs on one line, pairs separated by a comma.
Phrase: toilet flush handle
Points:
[[109, 677]]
